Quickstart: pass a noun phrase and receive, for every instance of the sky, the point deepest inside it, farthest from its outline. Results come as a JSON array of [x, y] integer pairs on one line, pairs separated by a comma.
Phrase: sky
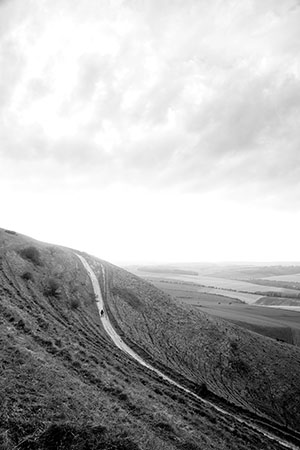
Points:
[[152, 130]]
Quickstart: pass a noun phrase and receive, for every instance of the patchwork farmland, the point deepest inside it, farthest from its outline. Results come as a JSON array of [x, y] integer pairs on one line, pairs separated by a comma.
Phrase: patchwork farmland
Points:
[[269, 310]]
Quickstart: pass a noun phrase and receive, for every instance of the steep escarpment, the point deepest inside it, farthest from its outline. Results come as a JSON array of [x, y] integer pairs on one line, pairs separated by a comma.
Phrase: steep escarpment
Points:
[[247, 369], [64, 384]]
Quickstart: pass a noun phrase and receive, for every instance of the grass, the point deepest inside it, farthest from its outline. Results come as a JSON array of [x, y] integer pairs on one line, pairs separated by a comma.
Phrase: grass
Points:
[[62, 379], [197, 346]]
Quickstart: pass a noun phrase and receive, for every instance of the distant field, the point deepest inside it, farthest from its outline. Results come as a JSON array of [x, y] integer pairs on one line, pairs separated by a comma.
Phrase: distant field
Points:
[[286, 307], [224, 284], [252, 272], [242, 296], [166, 270], [294, 278], [269, 321], [186, 288], [233, 271], [273, 322], [279, 302], [190, 293], [258, 315]]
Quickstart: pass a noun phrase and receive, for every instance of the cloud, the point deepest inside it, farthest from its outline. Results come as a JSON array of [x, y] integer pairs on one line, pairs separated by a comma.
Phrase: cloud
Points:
[[196, 95]]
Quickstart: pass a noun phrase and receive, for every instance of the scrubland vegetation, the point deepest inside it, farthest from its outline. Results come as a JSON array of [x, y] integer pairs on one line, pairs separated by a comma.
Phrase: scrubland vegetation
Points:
[[63, 383]]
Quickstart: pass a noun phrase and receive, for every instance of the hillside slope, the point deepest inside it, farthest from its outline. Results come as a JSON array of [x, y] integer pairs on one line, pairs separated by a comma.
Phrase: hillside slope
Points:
[[243, 367], [64, 383]]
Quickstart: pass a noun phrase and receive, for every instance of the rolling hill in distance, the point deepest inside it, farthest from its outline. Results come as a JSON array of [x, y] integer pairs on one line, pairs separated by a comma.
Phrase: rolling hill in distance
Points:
[[65, 384]]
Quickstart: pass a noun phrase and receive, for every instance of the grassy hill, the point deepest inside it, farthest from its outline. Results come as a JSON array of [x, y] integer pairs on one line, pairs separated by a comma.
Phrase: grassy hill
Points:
[[63, 383]]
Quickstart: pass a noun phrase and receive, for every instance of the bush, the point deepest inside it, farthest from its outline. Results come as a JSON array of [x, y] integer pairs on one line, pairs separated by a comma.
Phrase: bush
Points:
[[27, 276], [11, 232], [165, 426], [240, 366], [234, 346], [123, 396], [31, 254], [52, 289], [76, 364], [75, 303]]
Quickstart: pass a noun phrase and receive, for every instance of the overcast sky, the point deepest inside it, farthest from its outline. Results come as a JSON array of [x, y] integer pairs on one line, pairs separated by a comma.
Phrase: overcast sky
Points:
[[152, 130]]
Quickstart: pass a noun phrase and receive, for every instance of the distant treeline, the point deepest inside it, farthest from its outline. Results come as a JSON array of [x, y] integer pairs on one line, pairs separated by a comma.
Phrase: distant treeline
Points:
[[254, 273], [167, 270], [280, 284]]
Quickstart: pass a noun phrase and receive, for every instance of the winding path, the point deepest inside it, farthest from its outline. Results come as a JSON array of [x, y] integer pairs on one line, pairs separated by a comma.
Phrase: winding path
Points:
[[124, 347]]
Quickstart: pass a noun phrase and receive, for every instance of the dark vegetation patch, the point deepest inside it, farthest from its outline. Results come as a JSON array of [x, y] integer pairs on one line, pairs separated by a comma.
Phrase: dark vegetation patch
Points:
[[11, 232], [27, 276], [165, 426], [75, 303], [201, 390], [52, 288], [240, 366], [31, 254]]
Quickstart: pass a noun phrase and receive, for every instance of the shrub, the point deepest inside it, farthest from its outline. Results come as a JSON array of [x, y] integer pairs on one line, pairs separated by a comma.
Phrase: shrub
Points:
[[123, 396], [76, 364], [52, 289], [164, 426], [11, 232], [31, 254], [233, 346], [158, 391], [27, 276], [75, 303], [240, 366]]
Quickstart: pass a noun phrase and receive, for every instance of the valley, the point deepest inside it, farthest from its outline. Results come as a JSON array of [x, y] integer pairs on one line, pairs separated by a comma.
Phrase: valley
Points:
[[268, 310], [65, 383]]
